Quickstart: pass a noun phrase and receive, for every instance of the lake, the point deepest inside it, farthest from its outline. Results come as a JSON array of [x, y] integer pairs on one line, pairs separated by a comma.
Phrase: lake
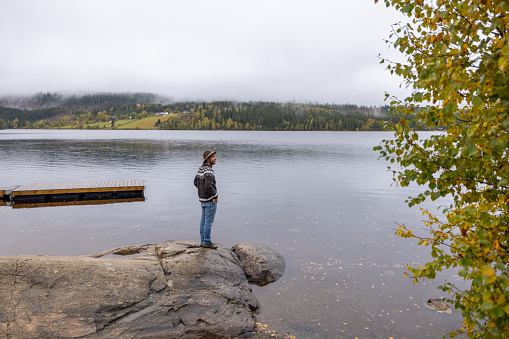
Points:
[[321, 199]]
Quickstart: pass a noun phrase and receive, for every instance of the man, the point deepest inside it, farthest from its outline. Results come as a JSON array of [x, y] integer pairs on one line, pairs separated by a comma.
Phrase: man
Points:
[[205, 181]]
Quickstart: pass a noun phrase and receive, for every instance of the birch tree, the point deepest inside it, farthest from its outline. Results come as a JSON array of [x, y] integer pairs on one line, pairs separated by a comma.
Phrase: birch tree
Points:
[[457, 64]]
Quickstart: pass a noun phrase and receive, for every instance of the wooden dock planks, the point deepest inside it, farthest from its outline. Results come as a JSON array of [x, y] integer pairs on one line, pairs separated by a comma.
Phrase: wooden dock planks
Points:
[[79, 187], [72, 193], [6, 190]]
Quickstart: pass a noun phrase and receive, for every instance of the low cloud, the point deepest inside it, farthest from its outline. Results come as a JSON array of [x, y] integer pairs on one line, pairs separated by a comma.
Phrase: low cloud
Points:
[[322, 51]]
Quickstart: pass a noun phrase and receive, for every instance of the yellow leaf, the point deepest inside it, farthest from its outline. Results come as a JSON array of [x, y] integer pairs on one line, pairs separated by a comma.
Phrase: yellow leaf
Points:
[[491, 279], [496, 244], [487, 270], [501, 300], [502, 63]]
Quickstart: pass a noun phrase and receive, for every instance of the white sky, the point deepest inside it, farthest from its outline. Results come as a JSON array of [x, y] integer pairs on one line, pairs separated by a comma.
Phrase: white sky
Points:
[[280, 50]]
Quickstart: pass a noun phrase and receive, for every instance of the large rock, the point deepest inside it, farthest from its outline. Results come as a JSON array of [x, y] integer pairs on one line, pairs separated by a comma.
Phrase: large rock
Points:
[[170, 290], [261, 264]]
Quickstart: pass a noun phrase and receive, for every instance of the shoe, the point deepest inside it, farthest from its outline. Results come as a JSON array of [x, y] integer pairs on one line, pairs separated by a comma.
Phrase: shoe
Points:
[[209, 245]]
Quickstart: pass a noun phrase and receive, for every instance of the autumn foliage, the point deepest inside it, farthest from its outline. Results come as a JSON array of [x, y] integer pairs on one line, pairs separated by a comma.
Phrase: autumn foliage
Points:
[[457, 63]]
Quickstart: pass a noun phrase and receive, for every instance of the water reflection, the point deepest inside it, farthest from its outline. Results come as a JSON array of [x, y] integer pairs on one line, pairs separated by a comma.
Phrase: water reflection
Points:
[[72, 203]]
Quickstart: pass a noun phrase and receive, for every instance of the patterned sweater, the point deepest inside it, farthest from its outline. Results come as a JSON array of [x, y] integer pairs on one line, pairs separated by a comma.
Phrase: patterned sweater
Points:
[[205, 181]]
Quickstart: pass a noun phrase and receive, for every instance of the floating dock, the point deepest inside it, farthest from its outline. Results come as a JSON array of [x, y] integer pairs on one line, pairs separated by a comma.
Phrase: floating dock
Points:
[[74, 202], [73, 191]]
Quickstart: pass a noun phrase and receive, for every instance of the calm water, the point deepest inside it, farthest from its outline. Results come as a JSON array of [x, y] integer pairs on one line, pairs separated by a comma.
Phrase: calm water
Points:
[[322, 199]]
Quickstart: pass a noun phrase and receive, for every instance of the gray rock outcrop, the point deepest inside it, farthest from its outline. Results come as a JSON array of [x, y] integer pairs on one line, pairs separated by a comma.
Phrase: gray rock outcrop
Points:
[[170, 290], [262, 265]]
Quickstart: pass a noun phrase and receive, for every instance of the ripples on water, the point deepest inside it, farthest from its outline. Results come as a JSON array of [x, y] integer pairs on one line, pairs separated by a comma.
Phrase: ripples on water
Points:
[[320, 198]]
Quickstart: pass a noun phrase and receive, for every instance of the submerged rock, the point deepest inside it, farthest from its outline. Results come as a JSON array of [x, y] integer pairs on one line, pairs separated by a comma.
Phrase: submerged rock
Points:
[[170, 290], [438, 305]]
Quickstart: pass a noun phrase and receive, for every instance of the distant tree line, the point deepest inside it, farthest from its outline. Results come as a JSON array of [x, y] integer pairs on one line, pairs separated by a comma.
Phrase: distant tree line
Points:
[[46, 110], [18, 118], [274, 116], [43, 110]]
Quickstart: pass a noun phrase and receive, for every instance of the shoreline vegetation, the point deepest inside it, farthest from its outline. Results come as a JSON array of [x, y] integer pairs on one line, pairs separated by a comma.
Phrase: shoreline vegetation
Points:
[[147, 111]]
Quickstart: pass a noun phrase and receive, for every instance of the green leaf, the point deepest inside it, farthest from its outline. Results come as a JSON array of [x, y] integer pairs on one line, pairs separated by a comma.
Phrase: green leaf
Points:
[[477, 281], [469, 151], [465, 262], [477, 102], [486, 306], [399, 128]]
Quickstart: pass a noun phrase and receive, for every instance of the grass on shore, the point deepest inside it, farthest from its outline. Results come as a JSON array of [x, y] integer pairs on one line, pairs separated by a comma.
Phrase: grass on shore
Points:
[[145, 123]]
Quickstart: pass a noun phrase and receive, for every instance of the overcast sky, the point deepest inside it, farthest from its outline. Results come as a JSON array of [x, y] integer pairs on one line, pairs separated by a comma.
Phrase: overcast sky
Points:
[[277, 50]]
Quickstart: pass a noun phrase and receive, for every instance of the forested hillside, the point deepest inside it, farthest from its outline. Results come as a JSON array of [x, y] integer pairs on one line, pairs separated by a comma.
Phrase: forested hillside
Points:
[[47, 110], [274, 116]]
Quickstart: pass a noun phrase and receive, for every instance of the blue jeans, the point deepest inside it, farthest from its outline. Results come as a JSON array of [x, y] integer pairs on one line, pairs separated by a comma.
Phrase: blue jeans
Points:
[[208, 212]]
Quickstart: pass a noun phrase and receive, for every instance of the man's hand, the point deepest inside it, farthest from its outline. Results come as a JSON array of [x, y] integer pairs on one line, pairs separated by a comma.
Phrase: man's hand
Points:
[[214, 200]]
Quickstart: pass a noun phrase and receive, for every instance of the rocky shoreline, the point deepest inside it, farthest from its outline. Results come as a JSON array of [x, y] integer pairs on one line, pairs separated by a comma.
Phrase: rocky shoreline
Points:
[[173, 289]]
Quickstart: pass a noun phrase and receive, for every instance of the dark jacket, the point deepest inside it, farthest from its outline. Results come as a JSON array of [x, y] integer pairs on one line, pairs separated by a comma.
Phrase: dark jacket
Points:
[[205, 181]]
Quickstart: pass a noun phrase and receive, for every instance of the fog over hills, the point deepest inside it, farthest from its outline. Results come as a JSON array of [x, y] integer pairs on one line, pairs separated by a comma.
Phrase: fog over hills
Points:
[[47, 100], [200, 50]]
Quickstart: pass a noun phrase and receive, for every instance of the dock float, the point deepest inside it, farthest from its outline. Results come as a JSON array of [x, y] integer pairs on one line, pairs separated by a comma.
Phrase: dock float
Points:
[[75, 202], [73, 191]]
